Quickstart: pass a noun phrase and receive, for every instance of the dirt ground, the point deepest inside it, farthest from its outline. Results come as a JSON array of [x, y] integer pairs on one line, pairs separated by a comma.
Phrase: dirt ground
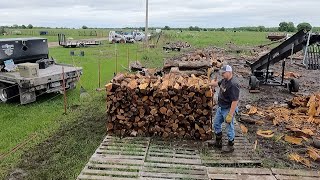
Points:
[[274, 153]]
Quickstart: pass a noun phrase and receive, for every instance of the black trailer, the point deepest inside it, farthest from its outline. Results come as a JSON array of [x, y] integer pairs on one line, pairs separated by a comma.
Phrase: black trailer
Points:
[[302, 40], [76, 43], [41, 74]]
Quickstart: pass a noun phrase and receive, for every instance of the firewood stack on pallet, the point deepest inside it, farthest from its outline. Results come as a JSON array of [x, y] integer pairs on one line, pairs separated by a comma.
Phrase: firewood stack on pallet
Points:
[[196, 62], [173, 106]]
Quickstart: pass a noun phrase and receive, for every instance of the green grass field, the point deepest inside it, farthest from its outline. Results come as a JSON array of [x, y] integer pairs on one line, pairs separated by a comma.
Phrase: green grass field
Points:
[[66, 142]]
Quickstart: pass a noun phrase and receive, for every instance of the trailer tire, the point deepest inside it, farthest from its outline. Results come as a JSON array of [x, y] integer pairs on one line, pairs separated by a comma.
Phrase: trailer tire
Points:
[[253, 83], [293, 85], [122, 41], [8, 93]]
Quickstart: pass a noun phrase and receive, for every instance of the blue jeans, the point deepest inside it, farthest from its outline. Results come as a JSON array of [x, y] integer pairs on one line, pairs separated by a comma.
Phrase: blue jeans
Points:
[[220, 117]]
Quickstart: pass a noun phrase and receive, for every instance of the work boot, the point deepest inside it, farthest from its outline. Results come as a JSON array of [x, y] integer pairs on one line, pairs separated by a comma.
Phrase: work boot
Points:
[[218, 142], [229, 148]]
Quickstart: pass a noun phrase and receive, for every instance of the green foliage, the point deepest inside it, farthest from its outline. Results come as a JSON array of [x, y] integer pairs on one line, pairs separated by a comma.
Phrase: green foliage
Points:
[[305, 26], [23, 27], [291, 27], [283, 26], [166, 28], [30, 26], [84, 27], [196, 28], [261, 28], [2, 30], [286, 27]]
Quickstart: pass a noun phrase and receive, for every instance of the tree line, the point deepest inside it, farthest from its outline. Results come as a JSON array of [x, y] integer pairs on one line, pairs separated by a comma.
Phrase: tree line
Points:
[[283, 27]]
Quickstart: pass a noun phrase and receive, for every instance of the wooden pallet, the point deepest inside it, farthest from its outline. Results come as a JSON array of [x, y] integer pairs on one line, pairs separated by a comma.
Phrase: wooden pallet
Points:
[[173, 160], [260, 173], [117, 159], [142, 158], [240, 173], [288, 174], [243, 154]]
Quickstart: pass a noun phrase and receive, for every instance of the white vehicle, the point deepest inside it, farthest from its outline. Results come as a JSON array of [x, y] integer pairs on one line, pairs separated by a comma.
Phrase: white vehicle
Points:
[[138, 36], [116, 37], [126, 37]]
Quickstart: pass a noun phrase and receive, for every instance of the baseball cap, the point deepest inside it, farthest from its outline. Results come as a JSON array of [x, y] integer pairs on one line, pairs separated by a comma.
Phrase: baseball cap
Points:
[[226, 68]]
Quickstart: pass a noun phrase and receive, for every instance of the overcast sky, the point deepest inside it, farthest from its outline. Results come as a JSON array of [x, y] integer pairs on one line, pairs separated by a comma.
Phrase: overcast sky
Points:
[[174, 13]]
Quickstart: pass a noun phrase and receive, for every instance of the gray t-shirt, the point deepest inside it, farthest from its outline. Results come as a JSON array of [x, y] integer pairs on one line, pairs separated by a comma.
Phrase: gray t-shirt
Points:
[[229, 91]]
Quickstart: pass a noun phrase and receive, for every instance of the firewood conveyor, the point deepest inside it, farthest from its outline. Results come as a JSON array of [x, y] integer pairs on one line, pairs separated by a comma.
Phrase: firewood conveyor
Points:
[[302, 40]]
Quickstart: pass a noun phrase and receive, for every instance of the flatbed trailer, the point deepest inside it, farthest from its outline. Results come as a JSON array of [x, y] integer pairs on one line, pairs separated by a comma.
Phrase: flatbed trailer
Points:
[[76, 43], [49, 76]]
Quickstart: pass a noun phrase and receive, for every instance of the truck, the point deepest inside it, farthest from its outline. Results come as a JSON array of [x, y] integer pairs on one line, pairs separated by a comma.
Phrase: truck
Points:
[[27, 71], [126, 37]]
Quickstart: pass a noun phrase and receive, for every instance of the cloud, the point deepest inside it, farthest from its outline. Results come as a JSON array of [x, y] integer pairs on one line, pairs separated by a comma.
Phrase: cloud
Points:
[[175, 13]]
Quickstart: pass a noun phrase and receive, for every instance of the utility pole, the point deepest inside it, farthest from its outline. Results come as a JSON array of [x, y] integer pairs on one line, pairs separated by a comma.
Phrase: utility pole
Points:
[[147, 19]]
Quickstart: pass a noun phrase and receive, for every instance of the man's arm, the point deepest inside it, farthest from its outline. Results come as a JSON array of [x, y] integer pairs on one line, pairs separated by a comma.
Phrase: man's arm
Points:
[[234, 105], [235, 93]]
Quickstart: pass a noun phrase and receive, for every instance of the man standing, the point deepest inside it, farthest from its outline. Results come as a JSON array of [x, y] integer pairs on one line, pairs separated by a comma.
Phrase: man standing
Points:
[[227, 106]]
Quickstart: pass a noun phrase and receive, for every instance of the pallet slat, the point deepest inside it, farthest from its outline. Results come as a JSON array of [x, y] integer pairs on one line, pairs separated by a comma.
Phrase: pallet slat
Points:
[[176, 160], [93, 177], [295, 172], [252, 171], [171, 175], [108, 172], [112, 166]]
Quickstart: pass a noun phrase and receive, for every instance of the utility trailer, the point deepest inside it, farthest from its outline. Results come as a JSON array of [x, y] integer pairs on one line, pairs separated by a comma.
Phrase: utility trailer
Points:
[[302, 40], [37, 74], [76, 44]]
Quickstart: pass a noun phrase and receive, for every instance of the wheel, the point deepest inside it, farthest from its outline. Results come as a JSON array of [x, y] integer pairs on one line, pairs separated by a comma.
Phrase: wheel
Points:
[[8, 93], [293, 85], [122, 41], [253, 83]]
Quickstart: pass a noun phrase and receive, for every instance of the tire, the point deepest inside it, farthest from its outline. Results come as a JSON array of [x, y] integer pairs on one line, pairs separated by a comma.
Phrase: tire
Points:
[[8, 93], [294, 85], [122, 41], [253, 83]]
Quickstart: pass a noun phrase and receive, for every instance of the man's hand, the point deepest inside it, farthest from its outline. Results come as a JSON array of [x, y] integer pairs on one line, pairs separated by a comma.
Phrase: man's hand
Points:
[[229, 118], [214, 82]]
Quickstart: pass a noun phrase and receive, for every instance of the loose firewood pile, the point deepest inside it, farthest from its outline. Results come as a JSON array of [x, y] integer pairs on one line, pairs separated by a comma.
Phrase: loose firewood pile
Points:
[[196, 62], [178, 44], [297, 124], [172, 106]]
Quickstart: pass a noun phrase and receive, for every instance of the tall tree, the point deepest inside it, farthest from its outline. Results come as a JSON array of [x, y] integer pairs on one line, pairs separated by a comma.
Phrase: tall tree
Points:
[[30, 26], [283, 26], [291, 27], [305, 26], [166, 28]]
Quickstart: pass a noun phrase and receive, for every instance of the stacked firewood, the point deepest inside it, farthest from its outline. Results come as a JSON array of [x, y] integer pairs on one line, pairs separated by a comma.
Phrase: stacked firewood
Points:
[[172, 106], [196, 62]]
